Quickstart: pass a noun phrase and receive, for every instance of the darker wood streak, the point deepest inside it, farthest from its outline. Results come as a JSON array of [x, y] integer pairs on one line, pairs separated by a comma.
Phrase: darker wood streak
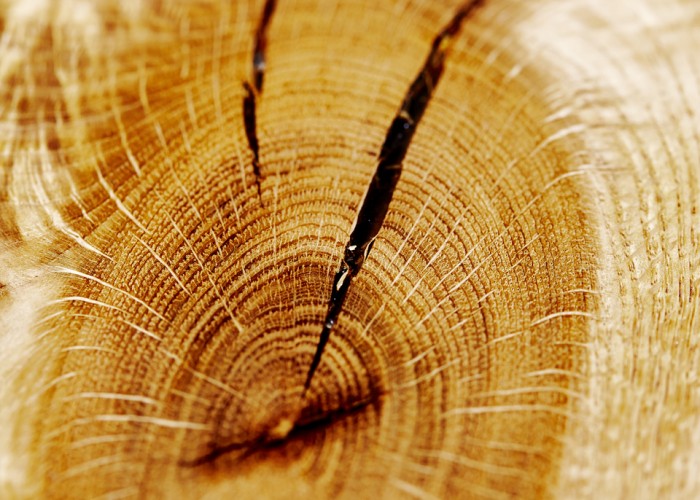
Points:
[[375, 205], [302, 428]]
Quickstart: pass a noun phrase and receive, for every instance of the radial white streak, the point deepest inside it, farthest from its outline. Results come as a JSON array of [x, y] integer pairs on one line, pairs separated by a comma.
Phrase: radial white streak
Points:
[[134, 398], [45, 173], [97, 463], [412, 489], [73, 272], [66, 376], [407, 238], [208, 379], [136, 327], [524, 408], [479, 465], [165, 265], [123, 418], [110, 439], [223, 302], [528, 390], [556, 371], [562, 314], [88, 348], [118, 202], [428, 376], [119, 494]]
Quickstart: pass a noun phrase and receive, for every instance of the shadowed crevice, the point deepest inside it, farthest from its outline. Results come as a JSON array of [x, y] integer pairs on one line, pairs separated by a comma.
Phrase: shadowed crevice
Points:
[[375, 204], [261, 44], [249, 121], [254, 92]]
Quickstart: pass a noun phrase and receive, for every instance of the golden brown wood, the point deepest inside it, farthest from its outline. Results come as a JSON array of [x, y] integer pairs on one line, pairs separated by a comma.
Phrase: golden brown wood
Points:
[[525, 325]]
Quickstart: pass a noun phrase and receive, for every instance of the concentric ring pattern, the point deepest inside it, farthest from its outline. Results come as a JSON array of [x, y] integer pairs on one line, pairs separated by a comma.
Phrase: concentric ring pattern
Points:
[[176, 309]]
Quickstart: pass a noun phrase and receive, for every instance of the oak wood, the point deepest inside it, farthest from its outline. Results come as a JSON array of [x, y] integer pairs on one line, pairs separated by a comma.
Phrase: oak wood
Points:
[[525, 325]]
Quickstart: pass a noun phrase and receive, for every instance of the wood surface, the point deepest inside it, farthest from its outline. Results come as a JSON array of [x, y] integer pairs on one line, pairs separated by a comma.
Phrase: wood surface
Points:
[[525, 325]]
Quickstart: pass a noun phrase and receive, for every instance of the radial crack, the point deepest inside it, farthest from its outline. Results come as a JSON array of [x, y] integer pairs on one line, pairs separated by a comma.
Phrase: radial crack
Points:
[[375, 204], [254, 91], [249, 120]]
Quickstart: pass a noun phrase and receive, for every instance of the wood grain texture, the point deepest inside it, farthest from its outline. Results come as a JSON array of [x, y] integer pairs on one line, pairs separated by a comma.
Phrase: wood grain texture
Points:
[[525, 325]]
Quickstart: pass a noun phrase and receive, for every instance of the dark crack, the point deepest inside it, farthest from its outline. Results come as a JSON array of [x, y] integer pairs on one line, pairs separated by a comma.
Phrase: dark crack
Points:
[[249, 120], [254, 92], [375, 204]]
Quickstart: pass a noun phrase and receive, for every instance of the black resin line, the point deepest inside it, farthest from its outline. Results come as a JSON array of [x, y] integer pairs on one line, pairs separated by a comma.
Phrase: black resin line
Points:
[[375, 204], [253, 91]]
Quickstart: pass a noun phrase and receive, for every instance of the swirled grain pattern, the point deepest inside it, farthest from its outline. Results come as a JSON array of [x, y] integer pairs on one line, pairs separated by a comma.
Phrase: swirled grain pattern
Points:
[[525, 324]]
